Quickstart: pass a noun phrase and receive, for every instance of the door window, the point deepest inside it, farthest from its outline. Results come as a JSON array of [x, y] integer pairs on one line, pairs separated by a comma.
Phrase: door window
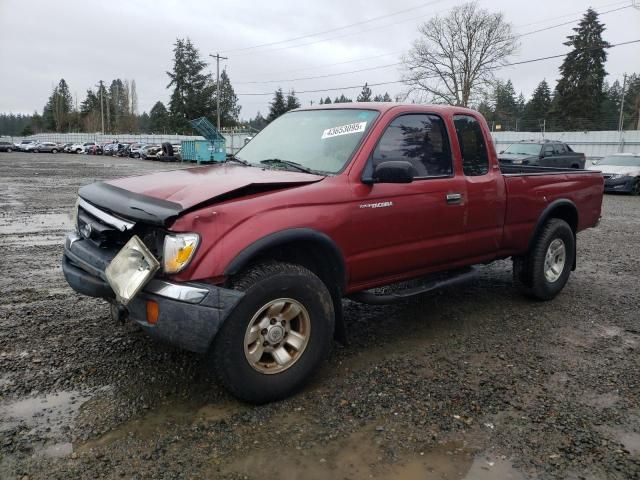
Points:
[[420, 140], [475, 159], [560, 149], [547, 151]]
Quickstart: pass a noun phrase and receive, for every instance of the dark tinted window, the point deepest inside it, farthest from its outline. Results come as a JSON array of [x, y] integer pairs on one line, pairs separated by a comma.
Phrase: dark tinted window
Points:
[[547, 150], [475, 159], [560, 148], [420, 140]]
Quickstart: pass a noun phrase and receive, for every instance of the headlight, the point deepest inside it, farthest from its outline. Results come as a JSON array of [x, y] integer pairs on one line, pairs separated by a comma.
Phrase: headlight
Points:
[[517, 162], [618, 175], [178, 251]]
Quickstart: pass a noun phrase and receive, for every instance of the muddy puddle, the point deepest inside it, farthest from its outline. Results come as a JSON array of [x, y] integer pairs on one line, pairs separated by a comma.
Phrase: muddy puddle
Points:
[[357, 458], [43, 422], [162, 419]]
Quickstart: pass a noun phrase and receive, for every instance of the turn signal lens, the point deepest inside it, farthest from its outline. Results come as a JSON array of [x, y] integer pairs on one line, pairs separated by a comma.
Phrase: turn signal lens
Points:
[[178, 251], [152, 312]]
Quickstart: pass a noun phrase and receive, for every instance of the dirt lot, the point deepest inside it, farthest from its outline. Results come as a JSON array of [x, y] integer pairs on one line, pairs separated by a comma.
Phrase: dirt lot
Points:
[[474, 382]]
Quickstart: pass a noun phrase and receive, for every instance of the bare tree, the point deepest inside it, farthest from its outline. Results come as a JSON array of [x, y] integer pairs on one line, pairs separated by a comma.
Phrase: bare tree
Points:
[[455, 56]]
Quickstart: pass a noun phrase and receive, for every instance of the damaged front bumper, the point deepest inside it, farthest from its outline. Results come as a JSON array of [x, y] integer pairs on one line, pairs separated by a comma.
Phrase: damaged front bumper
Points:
[[189, 314]]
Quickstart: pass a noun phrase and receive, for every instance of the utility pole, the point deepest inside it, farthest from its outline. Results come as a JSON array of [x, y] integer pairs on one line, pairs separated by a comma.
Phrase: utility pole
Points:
[[218, 58], [621, 119], [101, 107]]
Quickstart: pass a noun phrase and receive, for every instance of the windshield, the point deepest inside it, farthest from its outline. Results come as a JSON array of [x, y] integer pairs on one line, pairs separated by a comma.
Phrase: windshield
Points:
[[523, 149], [620, 161], [319, 140]]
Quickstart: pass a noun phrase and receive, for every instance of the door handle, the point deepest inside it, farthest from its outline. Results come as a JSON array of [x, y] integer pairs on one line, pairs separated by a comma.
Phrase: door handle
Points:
[[454, 198]]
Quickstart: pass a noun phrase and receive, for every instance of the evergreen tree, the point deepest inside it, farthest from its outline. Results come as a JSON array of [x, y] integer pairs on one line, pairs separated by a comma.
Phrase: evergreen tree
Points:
[[292, 101], [536, 111], [56, 111], [321, 101], [144, 123], [631, 118], [342, 99], [158, 118], [327, 100], [229, 108], [386, 97], [193, 89], [579, 92], [258, 123], [278, 106], [504, 99], [365, 94]]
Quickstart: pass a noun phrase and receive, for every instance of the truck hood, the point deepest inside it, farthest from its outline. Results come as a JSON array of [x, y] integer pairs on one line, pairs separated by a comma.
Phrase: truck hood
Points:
[[160, 197], [615, 170], [515, 156]]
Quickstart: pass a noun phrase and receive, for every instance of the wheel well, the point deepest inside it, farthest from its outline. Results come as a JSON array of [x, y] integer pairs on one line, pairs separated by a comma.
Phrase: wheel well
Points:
[[565, 212], [311, 254], [315, 253]]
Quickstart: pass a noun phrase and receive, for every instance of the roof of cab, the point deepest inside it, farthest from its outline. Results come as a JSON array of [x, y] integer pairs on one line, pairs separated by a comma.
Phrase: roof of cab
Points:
[[386, 106]]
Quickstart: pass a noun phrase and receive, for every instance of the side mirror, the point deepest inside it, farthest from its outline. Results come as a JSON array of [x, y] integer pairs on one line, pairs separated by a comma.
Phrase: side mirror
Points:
[[396, 171]]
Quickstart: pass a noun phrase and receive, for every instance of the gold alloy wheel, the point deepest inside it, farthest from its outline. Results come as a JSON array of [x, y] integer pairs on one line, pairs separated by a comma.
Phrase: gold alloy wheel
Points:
[[277, 335]]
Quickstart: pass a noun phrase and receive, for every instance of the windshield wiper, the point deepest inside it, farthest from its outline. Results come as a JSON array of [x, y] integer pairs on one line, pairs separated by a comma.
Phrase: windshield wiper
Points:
[[278, 161], [233, 158]]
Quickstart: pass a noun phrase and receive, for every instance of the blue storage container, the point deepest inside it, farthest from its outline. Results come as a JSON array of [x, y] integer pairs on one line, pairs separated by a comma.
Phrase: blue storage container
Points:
[[213, 149]]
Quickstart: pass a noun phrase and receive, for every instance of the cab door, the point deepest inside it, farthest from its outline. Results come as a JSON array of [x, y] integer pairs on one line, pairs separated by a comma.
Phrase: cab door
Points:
[[403, 229], [486, 197]]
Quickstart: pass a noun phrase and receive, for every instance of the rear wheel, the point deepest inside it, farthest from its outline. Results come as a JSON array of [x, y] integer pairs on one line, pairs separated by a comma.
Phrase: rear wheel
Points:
[[545, 270], [635, 189], [35, 150], [9, 150], [54, 151], [277, 335]]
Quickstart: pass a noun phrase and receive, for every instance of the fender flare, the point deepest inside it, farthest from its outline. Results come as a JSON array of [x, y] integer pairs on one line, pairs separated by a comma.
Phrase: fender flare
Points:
[[546, 214], [286, 236]]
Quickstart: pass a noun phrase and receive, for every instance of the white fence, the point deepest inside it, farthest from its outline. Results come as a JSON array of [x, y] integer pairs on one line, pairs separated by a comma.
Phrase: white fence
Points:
[[592, 144], [235, 140]]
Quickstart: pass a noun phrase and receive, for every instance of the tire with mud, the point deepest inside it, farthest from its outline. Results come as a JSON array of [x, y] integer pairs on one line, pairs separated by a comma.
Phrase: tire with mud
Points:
[[277, 335], [544, 271]]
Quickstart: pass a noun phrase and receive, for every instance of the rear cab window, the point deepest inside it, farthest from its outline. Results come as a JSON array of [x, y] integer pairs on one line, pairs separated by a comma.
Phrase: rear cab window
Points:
[[421, 140], [473, 146]]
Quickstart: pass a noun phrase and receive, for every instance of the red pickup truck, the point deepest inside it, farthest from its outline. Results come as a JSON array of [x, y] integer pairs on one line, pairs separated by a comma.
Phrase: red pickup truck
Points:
[[248, 260]]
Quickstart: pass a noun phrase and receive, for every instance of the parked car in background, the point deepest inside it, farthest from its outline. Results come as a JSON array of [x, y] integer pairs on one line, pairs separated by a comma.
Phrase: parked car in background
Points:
[[47, 147], [546, 153], [7, 147], [107, 149], [135, 150], [123, 150], [94, 150], [66, 147], [81, 147], [621, 172], [26, 145], [29, 147], [150, 151]]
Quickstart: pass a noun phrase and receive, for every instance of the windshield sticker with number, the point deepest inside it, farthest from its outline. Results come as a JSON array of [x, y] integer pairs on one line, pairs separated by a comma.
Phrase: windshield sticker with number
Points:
[[344, 130]]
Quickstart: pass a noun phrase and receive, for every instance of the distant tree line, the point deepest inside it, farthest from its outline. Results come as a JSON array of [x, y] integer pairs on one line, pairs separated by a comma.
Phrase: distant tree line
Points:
[[193, 94]]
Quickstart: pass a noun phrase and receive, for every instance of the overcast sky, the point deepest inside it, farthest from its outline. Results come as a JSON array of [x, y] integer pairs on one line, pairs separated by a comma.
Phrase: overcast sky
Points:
[[86, 41]]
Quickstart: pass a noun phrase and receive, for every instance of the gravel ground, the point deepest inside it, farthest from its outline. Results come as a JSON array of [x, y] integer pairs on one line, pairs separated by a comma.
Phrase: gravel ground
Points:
[[472, 382]]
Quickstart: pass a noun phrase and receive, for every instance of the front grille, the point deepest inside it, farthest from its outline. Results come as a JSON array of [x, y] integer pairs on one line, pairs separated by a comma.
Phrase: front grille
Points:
[[106, 236]]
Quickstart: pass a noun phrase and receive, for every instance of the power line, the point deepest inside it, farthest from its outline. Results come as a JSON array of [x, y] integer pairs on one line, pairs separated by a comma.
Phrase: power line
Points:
[[388, 65], [570, 22], [399, 63], [539, 59], [335, 29]]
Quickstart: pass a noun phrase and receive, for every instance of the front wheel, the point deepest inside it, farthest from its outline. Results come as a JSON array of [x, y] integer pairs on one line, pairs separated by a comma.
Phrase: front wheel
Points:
[[54, 151], [9, 150], [278, 334], [544, 271], [635, 189]]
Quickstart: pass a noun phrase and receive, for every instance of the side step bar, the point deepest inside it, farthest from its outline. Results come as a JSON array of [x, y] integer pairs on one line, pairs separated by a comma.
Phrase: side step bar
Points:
[[386, 298]]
